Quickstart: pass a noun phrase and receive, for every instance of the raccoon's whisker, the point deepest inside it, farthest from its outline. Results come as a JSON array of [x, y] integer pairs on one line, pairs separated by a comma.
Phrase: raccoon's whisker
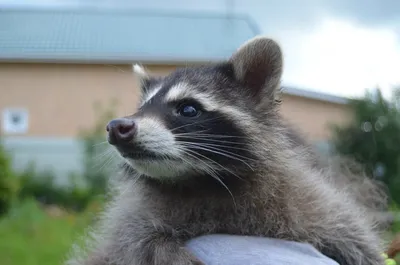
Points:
[[212, 173], [101, 143], [226, 187], [213, 135], [217, 143], [225, 147], [104, 159], [220, 152], [208, 139], [104, 153], [193, 154], [116, 67], [197, 122], [203, 145], [136, 179], [107, 162], [214, 162], [224, 151], [191, 133], [128, 168]]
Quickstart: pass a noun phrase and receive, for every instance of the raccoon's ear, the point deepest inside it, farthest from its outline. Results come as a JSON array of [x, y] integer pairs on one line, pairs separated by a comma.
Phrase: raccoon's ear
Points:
[[142, 77], [258, 66], [140, 73]]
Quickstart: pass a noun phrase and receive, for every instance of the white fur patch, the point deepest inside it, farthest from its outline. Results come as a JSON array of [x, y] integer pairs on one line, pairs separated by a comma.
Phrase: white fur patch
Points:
[[141, 74], [182, 91], [154, 137], [178, 91], [241, 118], [139, 70], [147, 97]]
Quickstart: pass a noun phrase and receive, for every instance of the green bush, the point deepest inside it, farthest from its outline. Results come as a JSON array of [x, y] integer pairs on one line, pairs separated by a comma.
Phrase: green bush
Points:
[[41, 186], [396, 226], [8, 182], [372, 138], [81, 189]]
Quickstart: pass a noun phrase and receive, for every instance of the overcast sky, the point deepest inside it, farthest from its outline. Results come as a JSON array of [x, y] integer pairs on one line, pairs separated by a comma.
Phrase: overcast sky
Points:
[[335, 46]]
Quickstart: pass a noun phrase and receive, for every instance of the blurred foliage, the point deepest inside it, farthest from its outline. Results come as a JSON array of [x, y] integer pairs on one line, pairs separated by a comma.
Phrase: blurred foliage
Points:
[[395, 228], [41, 186], [35, 235], [80, 189], [46, 217], [97, 161], [9, 184], [373, 138]]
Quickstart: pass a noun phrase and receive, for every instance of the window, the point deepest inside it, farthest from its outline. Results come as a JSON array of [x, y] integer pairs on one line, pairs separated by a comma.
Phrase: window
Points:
[[15, 121]]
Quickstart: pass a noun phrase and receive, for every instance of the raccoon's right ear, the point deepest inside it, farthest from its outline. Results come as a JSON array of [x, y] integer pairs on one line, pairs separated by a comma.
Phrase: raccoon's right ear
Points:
[[258, 66]]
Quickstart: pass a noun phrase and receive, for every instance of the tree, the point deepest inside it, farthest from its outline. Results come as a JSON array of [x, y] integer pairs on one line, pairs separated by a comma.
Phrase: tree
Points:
[[373, 138]]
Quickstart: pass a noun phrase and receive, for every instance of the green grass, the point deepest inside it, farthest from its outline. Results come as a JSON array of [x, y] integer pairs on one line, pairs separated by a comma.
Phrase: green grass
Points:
[[30, 236]]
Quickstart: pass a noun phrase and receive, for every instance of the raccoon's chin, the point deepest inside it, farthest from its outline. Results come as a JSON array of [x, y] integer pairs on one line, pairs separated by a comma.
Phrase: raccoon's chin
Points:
[[159, 168]]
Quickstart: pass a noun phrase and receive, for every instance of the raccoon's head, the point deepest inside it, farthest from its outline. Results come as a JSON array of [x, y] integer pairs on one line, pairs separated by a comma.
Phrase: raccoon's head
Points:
[[201, 120]]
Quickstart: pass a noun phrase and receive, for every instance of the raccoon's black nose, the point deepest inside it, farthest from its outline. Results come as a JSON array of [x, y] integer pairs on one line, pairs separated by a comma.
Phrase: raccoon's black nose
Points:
[[121, 131]]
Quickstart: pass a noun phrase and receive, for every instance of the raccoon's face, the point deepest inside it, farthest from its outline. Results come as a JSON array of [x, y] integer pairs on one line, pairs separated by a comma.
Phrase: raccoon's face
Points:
[[197, 120]]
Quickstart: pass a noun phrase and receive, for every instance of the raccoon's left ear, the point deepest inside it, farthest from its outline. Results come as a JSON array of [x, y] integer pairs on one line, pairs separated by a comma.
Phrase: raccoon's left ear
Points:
[[142, 77], [258, 66], [140, 72]]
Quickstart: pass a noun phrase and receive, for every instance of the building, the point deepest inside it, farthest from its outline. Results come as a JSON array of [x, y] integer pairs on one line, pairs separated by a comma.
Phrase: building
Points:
[[55, 64]]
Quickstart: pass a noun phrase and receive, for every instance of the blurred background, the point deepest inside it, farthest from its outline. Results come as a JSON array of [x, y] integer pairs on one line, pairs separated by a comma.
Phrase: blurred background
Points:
[[66, 69]]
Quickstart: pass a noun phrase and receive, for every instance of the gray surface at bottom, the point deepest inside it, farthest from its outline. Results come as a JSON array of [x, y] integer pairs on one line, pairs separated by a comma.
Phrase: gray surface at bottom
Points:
[[239, 250]]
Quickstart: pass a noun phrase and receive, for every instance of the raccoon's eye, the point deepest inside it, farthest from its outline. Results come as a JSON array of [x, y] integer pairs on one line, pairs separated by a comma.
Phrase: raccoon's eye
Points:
[[188, 110]]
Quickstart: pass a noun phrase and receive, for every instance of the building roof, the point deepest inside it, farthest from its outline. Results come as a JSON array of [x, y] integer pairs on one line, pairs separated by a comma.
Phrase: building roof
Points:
[[72, 35], [290, 90], [119, 36]]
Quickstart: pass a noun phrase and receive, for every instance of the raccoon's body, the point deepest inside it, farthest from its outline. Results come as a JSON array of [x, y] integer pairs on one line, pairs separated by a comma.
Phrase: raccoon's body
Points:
[[207, 152]]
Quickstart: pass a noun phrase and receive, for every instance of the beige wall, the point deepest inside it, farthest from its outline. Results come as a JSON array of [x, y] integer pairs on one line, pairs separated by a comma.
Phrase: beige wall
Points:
[[313, 117], [60, 97]]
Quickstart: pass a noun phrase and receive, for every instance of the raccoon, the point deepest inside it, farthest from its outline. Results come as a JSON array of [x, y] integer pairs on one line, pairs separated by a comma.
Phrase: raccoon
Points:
[[208, 152]]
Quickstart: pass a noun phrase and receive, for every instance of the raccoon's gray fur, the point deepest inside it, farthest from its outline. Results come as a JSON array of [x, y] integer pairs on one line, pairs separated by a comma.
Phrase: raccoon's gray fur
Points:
[[346, 173], [207, 152]]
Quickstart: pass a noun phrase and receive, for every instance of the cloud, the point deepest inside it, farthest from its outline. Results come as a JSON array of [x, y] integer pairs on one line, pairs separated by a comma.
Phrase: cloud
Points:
[[343, 58], [368, 12]]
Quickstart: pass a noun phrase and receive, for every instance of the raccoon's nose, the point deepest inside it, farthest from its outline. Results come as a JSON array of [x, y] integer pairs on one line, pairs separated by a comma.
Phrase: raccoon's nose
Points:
[[121, 131]]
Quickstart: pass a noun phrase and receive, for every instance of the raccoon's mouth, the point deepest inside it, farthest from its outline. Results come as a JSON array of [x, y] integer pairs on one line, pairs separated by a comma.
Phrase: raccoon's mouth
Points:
[[139, 153]]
